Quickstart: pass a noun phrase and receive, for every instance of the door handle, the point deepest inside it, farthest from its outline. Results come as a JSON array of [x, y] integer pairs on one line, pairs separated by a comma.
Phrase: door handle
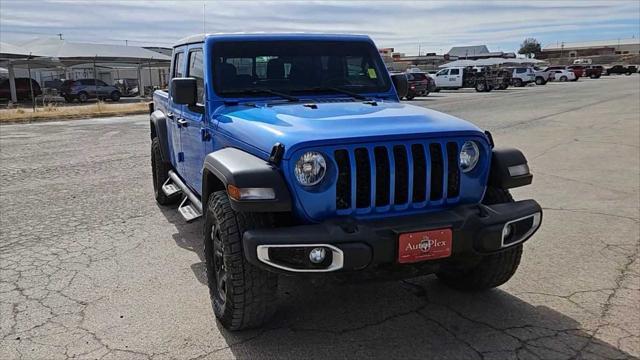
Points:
[[183, 122]]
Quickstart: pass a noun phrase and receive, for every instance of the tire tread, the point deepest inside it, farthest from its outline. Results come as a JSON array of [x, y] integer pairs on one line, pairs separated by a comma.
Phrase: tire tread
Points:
[[251, 292]]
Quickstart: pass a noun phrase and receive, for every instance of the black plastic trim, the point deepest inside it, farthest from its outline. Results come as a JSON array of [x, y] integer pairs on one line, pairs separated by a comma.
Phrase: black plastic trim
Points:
[[159, 123], [243, 170], [477, 230], [501, 160]]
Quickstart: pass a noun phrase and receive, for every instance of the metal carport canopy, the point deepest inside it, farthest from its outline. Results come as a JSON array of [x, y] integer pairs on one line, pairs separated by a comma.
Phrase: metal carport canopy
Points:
[[55, 52], [8, 55], [490, 62], [77, 52]]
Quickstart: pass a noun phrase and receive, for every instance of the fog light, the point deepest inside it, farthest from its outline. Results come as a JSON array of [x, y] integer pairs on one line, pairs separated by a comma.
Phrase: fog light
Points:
[[317, 255], [506, 231]]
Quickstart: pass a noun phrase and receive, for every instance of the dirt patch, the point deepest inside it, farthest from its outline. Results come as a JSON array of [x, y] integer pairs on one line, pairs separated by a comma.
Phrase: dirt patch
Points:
[[53, 112]]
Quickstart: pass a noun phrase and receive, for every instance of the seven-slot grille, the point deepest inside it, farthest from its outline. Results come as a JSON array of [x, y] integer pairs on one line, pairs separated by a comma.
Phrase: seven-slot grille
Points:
[[396, 175]]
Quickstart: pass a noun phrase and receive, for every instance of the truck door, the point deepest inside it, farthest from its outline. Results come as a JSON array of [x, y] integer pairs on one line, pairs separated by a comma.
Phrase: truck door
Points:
[[442, 78], [455, 78], [174, 113], [195, 130]]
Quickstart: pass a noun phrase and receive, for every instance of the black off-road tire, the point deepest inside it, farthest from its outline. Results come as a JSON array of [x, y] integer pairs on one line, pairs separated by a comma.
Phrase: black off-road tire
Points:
[[518, 83], [540, 80], [160, 171], [249, 296], [563, 78], [409, 97], [492, 270], [115, 96]]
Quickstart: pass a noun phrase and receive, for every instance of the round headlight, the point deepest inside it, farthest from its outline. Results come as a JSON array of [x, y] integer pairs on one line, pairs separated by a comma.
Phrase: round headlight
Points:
[[310, 168], [469, 156]]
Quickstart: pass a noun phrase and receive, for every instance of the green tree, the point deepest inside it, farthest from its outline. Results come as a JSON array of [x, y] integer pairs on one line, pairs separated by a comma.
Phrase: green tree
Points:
[[530, 47]]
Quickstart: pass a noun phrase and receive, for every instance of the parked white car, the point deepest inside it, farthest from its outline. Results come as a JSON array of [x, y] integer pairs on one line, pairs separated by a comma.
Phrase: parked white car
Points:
[[522, 76], [542, 75], [562, 75]]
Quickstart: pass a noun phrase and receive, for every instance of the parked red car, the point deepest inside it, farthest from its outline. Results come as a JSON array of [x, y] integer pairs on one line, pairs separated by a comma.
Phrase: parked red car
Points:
[[23, 90], [579, 70]]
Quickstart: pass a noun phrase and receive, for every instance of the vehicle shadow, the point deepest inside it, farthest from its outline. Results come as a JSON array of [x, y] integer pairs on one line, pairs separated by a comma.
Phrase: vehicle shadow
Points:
[[188, 236], [319, 318]]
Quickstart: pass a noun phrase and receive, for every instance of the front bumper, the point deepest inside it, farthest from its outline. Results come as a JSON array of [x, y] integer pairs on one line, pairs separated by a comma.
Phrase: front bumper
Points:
[[358, 245]]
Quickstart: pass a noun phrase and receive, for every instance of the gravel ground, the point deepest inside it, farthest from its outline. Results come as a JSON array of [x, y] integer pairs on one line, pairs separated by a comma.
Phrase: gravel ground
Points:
[[92, 268]]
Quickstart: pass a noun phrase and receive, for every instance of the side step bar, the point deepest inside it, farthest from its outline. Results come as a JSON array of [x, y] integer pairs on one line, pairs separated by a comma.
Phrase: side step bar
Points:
[[190, 208]]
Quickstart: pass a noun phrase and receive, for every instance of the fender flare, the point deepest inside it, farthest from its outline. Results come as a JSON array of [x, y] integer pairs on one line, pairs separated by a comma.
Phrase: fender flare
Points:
[[158, 123], [509, 169], [231, 166]]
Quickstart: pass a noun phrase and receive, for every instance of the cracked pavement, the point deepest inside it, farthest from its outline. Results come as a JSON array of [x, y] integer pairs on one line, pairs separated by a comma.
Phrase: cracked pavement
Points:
[[92, 268]]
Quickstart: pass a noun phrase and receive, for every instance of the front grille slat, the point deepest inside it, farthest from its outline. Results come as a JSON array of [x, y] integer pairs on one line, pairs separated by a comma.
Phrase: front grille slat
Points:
[[453, 171], [392, 178], [419, 173], [395, 177], [401, 190], [383, 174], [343, 185], [363, 178], [437, 171], [354, 185]]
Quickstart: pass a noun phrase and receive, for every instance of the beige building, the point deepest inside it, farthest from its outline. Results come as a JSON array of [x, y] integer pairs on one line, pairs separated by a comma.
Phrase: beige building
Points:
[[591, 48]]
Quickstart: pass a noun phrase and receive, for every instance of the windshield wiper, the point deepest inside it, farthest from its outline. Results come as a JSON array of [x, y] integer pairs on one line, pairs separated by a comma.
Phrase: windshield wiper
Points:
[[354, 95], [264, 91]]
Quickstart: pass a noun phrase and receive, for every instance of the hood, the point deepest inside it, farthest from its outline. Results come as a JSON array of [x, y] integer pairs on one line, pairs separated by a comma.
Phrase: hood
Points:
[[330, 123]]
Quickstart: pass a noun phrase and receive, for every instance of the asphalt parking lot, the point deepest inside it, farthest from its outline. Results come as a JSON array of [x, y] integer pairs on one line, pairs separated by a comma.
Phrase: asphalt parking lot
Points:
[[92, 268]]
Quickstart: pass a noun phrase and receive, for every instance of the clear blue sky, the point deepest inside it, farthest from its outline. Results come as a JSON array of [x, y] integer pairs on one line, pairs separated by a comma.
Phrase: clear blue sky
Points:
[[435, 25]]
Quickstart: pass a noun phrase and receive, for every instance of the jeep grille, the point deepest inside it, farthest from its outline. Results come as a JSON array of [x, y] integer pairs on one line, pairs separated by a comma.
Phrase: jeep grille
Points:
[[381, 176]]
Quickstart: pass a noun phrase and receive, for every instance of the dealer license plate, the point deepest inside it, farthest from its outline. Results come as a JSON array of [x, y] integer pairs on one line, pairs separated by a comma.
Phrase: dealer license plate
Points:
[[424, 245]]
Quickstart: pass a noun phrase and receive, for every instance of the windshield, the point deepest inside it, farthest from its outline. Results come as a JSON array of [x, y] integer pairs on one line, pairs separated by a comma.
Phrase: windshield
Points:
[[247, 68]]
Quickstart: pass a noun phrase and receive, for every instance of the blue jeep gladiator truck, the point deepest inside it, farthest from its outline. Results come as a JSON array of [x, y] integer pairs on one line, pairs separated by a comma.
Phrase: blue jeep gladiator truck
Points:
[[301, 160]]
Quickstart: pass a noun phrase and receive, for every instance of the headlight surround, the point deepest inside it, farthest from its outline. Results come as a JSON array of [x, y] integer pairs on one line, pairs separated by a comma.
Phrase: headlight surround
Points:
[[469, 156], [311, 168]]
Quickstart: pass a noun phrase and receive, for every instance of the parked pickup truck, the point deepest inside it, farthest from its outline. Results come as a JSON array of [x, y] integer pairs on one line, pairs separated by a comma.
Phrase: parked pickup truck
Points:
[[621, 69], [480, 78], [301, 160]]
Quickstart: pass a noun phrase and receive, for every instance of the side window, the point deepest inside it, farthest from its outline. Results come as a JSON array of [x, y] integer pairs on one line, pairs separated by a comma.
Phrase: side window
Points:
[[178, 61], [521, 71], [454, 72], [101, 83], [196, 71], [442, 72]]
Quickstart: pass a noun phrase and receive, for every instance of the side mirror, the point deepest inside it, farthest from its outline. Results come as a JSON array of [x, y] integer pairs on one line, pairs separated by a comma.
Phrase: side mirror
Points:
[[184, 91], [401, 84]]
